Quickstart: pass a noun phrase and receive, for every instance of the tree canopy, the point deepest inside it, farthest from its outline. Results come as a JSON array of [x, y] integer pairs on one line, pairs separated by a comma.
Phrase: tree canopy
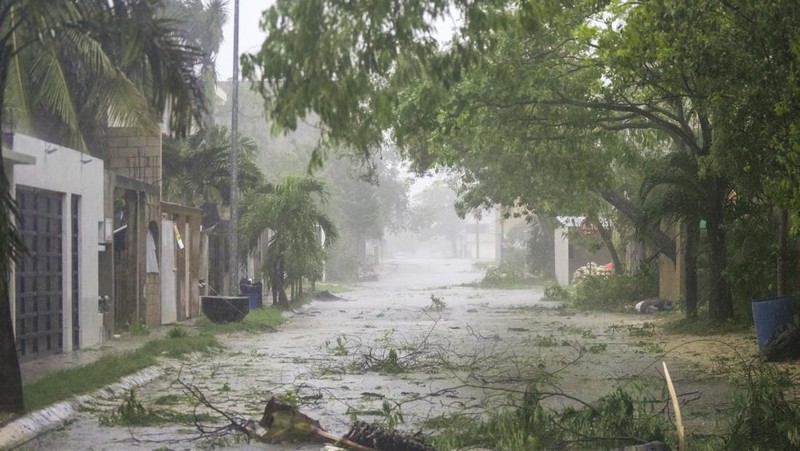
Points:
[[559, 107]]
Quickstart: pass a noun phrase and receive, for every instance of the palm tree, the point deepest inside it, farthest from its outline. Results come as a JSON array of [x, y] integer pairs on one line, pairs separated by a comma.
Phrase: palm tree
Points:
[[135, 62], [64, 65], [197, 169], [291, 210], [201, 25], [672, 189]]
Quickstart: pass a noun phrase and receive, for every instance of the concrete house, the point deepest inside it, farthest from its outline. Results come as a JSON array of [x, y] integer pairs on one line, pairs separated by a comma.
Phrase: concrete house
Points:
[[104, 251], [54, 288]]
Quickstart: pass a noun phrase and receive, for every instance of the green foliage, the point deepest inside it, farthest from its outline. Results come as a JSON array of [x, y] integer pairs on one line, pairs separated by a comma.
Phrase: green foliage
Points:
[[391, 415], [293, 213], [764, 416], [753, 270], [178, 346], [71, 68], [137, 328], [615, 291], [510, 273], [177, 332], [131, 412], [64, 384], [256, 321], [542, 341], [555, 292], [437, 304], [197, 169], [526, 101], [341, 346], [702, 327], [618, 419], [390, 365], [290, 397], [108, 369]]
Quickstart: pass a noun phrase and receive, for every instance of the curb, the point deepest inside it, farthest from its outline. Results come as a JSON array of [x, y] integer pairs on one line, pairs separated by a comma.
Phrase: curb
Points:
[[34, 424]]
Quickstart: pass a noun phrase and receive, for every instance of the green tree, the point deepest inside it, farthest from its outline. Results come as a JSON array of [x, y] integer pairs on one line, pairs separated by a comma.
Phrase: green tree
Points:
[[134, 69], [197, 169], [366, 202], [671, 189], [292, 212], [200, 24], [554, 106], [434, 215], [132, 58]]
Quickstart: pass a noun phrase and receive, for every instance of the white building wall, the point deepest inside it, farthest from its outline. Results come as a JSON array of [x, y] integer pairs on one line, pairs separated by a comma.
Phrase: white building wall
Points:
[[67, 171], [561, 253]]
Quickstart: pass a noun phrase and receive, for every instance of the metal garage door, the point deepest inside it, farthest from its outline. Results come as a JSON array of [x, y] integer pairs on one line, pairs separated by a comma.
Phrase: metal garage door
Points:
[[39, 274]]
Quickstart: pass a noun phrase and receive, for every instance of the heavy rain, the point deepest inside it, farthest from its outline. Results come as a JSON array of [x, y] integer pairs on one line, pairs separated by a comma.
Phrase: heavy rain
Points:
[[418, 225]]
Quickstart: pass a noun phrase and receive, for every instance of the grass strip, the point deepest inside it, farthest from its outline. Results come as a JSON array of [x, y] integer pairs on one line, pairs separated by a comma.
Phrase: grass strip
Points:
[[108, 369], [64, 384]]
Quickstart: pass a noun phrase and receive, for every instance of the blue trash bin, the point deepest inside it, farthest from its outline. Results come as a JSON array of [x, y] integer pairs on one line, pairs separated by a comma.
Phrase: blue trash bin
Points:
[[252, 291], [771, 313]]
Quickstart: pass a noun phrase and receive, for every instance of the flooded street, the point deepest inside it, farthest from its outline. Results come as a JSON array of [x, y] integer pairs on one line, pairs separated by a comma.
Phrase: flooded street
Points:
[[414, 345]]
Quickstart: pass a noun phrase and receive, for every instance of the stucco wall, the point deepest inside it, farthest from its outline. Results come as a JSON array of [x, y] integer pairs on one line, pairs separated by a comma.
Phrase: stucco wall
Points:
[[67, 171]]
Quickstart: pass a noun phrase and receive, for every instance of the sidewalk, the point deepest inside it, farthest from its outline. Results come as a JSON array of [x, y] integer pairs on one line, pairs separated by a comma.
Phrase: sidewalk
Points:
[[36, 368]]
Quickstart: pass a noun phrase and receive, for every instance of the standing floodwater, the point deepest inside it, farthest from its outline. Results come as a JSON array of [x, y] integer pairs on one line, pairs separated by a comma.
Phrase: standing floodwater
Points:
[[420, 342]]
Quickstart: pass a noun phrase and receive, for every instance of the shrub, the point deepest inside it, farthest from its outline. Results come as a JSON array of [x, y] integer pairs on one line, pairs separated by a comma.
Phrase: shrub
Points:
[[615, 291], [511, 273], [765, 418]]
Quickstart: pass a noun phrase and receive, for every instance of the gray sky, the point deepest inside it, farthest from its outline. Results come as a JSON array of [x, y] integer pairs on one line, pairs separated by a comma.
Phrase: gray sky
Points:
[[250, 36]]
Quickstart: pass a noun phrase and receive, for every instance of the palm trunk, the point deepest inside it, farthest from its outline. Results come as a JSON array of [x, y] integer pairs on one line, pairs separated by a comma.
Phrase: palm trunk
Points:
[[279, 281], [11, 399]]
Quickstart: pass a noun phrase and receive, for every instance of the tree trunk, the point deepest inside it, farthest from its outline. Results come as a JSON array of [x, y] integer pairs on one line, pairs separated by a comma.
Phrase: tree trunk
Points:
[[692, 230], [783, 234], [283, 301], [664, 243], [720, 304], [11, 399], [605, 235]]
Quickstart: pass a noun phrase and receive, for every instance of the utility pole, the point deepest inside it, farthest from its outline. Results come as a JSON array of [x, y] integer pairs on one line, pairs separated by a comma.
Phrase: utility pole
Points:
[[233, 265]]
